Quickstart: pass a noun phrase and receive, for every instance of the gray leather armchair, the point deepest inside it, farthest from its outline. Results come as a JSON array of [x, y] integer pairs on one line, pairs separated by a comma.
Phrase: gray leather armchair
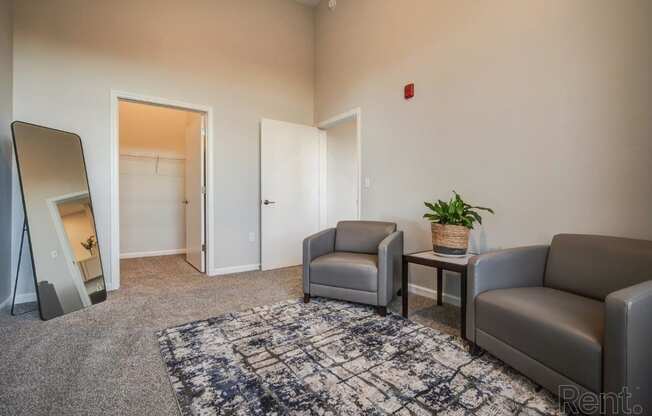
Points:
[[576, 313], [359, 261]]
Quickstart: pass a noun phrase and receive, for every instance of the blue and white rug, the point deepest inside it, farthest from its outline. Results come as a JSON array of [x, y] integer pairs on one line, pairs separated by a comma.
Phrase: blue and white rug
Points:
[[336, 358]]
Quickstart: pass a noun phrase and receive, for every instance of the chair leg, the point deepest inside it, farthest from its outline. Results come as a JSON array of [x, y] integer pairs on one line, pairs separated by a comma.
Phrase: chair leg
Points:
[[382, 311], [306, 297], [474, 350]]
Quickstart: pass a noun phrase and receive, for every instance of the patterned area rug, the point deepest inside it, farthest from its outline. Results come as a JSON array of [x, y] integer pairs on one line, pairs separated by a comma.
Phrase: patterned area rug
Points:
[[336, 358]]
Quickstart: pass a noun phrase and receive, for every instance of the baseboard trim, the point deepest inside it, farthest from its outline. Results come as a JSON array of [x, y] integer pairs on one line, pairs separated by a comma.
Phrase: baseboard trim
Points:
[[432, 294], [234, 269], [140, 254]]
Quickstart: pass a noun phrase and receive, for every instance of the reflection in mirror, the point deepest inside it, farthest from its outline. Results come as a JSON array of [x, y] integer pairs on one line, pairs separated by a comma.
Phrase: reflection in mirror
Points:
[[77, 234], [59, 213]]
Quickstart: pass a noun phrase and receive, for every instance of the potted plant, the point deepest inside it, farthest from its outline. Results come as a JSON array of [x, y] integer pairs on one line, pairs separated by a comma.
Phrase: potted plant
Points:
[[90, 244], [451, 223]]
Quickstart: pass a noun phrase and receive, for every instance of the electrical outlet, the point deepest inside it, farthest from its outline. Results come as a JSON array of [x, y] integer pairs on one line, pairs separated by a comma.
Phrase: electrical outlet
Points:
[[54, 254], [252, 237], [367, 182]]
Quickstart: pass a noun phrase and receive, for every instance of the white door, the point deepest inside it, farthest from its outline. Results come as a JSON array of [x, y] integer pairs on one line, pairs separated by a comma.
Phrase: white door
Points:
[[195, 192], [289, 179]]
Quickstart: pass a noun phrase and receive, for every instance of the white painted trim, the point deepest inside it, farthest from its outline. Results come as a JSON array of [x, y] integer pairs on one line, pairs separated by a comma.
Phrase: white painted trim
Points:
[[432, 294], [234, 269], [25, 297], [356, 115], [113, 281], [140, 254], [339, 119]]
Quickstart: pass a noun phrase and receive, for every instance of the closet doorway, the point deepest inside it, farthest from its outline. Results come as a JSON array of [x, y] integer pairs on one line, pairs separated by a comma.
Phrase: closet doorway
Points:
[[162, 181]]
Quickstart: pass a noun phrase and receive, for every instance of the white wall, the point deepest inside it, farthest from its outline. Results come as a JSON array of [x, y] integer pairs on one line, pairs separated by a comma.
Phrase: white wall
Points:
[[341, 178], [151, 128], [539, 109], [245, 59], [6, 91], [152, 215]]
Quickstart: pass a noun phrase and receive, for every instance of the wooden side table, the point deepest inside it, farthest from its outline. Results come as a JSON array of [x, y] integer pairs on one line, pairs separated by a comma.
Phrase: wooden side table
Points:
[[441, 263]]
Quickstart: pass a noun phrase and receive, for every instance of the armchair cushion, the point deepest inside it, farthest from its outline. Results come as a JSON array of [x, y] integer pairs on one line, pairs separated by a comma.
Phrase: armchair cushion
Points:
[[595, 266], [362, 236], [346, 270], [558, 329]]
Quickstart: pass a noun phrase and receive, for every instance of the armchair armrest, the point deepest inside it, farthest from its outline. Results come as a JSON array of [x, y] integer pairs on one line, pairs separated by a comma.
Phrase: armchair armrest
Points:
[[511, 268], [627, 345], [314, 246], [390, 256]]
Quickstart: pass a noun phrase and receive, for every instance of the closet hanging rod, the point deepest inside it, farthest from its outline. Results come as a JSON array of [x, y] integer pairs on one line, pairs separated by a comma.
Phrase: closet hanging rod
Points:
[[144, 156]]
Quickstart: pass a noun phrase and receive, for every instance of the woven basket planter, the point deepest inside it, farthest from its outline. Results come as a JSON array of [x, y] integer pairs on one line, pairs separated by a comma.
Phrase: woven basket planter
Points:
[[450, 240]]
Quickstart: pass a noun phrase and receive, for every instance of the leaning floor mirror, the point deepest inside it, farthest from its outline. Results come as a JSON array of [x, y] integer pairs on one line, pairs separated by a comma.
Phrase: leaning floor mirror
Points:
[[59, 219]]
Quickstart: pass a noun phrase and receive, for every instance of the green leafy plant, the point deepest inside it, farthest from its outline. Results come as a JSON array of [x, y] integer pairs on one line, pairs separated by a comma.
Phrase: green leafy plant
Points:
[[454, 212], [90, 243]]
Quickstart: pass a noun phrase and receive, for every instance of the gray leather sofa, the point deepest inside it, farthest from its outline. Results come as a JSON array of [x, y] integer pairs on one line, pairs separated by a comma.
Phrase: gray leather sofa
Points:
[[575, 313], [359, 261]]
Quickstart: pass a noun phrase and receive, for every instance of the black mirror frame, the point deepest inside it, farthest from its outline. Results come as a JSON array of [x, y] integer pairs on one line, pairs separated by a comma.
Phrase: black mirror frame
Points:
[[26, 221]]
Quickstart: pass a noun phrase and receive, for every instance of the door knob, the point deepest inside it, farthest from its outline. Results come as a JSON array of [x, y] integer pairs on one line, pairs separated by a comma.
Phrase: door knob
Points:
[[268, 202], [185, 202]]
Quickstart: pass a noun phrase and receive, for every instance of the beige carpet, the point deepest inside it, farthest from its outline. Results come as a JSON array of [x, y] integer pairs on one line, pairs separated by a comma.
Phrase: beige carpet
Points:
[[105, 359]]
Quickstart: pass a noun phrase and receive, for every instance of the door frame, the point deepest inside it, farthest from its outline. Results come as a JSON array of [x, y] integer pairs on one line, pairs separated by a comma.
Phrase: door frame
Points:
[[113, 281], [71, 260], [351, 115]]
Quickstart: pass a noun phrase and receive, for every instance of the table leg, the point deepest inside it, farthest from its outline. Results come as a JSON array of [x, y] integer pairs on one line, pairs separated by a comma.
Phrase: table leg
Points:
[[440, 291], [404, 288], [463, 304]]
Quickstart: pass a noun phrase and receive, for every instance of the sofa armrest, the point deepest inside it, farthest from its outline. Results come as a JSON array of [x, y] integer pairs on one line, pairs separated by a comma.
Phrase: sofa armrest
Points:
[[503, 269], [390, 256], [314, 246], [627, 345]]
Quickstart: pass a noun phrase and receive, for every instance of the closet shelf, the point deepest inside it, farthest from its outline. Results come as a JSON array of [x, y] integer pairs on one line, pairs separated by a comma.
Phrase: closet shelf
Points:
[[150, 156]]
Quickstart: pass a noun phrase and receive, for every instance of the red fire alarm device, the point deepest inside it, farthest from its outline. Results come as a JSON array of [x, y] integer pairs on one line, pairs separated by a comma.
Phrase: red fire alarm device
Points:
[[409, 91]]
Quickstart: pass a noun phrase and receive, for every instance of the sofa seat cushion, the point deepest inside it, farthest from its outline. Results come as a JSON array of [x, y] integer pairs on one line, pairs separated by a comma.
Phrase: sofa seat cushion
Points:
[[346, 270], [561, 330]]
